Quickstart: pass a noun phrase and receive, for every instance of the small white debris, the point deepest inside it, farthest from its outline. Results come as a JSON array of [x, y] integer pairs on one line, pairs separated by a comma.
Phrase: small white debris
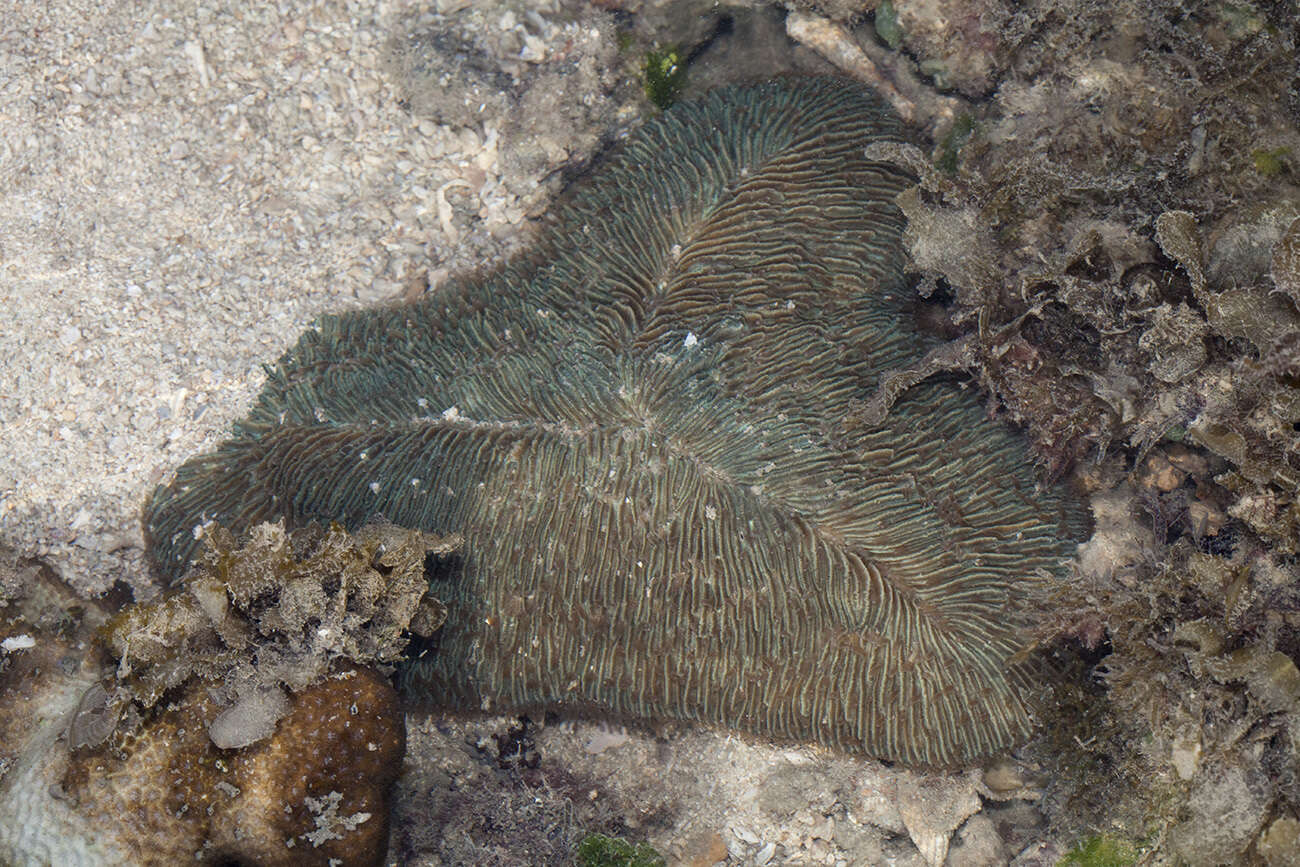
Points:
[[451, 413], [251, 719], [604, 740], [329, 824], [194, 51], [17, 642], [534, 50], [691, 340]]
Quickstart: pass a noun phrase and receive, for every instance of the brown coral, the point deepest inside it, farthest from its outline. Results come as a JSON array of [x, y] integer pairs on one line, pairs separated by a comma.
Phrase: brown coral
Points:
[[315, 791], [238, 718]]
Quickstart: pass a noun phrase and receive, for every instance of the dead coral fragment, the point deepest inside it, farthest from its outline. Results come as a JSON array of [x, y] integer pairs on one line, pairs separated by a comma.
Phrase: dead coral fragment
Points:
[[278, 610], [1226, 809], [1181, 240], [1176, 340], [1279, 845]]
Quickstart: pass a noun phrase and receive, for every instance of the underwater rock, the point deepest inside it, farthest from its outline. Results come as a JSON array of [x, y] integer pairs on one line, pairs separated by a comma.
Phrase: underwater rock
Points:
[[1286, 263], [837, 10], [962, 45], [933, 807], [1226, 808], [1279, 845], [646, 435], [977, 844]]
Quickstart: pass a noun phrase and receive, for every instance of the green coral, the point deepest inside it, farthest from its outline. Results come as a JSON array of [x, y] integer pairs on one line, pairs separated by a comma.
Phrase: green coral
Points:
[[597, 850]]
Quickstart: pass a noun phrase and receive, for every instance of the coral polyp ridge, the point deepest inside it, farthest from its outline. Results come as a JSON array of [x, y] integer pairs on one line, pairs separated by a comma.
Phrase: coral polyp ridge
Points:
[[640, 435]]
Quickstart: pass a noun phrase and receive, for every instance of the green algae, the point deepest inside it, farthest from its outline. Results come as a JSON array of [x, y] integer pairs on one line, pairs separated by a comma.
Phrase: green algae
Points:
[[887, 27], [1270, 162], [664, 71], [598, 850], [1100, 850], [963, 127]]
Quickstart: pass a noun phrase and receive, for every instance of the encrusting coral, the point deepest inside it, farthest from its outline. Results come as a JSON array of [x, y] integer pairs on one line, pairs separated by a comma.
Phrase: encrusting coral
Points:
[[240, 718], [648, 436]]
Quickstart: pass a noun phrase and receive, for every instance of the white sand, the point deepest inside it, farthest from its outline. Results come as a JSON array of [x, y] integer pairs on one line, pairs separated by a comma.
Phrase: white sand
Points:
[[181, 191]]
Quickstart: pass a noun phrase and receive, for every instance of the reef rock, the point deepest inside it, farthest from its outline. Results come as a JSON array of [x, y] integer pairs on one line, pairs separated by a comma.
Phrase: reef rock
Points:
[[238, 719]]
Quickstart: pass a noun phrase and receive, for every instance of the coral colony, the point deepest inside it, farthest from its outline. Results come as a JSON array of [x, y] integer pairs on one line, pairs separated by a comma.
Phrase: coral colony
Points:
[[649, 437]]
